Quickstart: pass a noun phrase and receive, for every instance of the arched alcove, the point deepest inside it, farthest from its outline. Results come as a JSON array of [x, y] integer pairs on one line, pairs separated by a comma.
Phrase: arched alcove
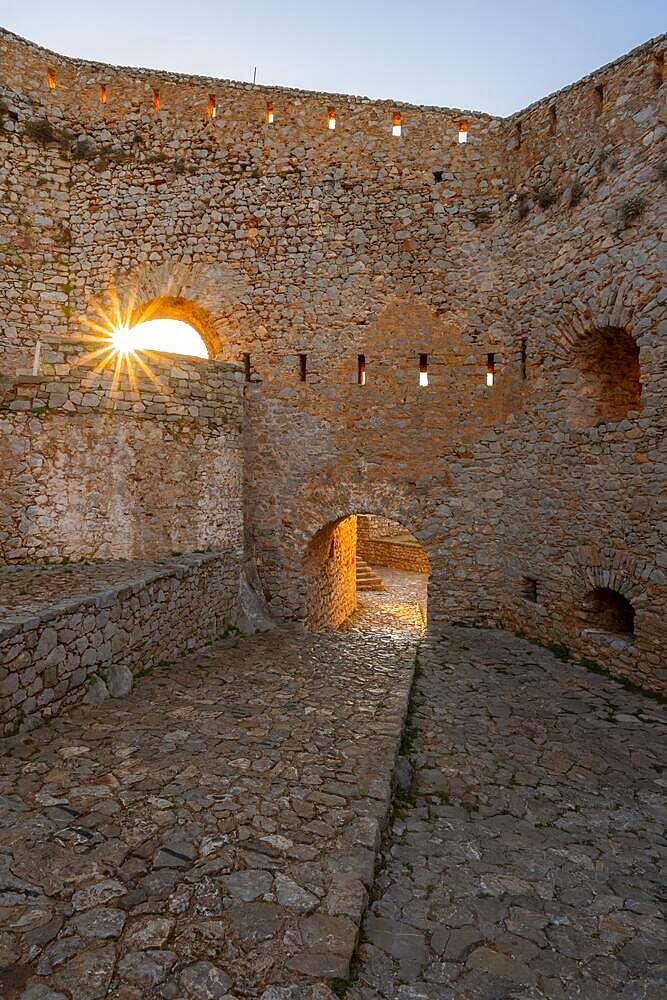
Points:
[[607, 610], [603, 383]]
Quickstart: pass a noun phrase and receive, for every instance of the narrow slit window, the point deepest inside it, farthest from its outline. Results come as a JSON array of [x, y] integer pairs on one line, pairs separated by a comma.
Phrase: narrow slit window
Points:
[[396, 126], [156, 100], [490, 368], [437, 176], [302, 367], [332, 119], [361, 369], [268, 114], [212, 106], [423, 369], [518, 135], [529, 589], [524, 358], [658, 69], [463, 131], [103, 93], [51, 79], [598, 99], [246, 366]]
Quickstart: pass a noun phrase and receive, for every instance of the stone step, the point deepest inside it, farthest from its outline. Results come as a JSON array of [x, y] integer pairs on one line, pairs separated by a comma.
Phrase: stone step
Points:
[[367, 578]]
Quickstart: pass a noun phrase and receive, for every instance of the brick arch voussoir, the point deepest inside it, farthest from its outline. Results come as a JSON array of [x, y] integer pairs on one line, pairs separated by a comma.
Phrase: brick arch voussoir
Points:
[[619, 306], [604, 568], [213, 298], [343, 501]]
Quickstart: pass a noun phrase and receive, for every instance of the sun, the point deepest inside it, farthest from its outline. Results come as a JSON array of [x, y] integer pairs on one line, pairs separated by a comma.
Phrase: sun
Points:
[[123, 339]]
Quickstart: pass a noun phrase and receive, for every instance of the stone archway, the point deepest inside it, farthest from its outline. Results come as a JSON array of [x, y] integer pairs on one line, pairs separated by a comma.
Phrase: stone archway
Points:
[[211, 298], [185, 310], [330, 567]]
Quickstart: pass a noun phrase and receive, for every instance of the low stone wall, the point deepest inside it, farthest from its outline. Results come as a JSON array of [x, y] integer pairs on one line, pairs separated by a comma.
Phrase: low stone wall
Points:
[[105, 465], [395, 555], [374, 526], [50, 654], [639, 660]]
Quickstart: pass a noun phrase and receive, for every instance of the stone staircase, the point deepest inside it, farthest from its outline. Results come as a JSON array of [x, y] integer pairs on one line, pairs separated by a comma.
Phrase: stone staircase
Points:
[[367, 578]]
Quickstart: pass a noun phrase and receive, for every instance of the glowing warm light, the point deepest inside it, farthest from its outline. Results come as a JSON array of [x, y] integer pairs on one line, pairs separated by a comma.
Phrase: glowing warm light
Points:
[[463, 132], [156, 100], [269, 114], [169, 336], [332, 118], [212, 106], [396, 127], [103, 93], [423, 378], [490, 368], [124, 349], [51, 79], [122, 340]]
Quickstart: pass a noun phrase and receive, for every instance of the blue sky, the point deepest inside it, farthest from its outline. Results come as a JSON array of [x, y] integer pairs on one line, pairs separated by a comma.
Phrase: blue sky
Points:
[[489, 55]]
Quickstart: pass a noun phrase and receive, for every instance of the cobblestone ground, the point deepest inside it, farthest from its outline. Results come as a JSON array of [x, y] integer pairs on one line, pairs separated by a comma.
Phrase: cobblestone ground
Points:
[[528, 862], [214, 832]]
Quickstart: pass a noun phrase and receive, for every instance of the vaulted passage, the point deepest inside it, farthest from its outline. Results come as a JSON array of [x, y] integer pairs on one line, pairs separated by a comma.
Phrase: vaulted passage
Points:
[[357, 555]]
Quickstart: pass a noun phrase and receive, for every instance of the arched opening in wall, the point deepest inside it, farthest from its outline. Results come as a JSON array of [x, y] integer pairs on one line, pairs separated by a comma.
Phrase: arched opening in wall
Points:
[[366, 565], [604, 383], [169, 325], [168, 336], [606, 612]]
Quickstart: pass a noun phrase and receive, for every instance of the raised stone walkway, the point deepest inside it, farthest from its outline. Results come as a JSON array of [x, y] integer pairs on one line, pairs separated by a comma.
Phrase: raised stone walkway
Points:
[[216, 831], [529, 860]]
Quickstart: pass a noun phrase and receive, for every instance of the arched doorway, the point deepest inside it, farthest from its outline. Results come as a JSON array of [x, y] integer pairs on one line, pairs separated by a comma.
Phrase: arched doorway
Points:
[[364, 561]]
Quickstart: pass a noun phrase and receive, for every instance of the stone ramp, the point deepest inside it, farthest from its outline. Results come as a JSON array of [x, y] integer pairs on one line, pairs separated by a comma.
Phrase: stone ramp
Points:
[[215, 831]]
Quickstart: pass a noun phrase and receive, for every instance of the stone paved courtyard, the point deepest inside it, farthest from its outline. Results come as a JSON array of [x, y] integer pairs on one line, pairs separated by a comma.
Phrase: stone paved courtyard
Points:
[[216, 831], [529, 860]]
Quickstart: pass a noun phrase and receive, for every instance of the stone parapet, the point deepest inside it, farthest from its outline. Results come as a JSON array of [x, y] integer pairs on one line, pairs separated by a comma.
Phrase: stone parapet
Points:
[[51, 650]]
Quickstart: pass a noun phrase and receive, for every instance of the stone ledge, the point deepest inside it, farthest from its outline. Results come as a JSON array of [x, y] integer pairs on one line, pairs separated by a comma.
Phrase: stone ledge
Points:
[[49, 653]]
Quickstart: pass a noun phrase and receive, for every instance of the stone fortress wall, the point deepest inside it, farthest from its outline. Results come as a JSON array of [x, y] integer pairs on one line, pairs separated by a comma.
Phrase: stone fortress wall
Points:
[[99, 466], [534, 247]]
